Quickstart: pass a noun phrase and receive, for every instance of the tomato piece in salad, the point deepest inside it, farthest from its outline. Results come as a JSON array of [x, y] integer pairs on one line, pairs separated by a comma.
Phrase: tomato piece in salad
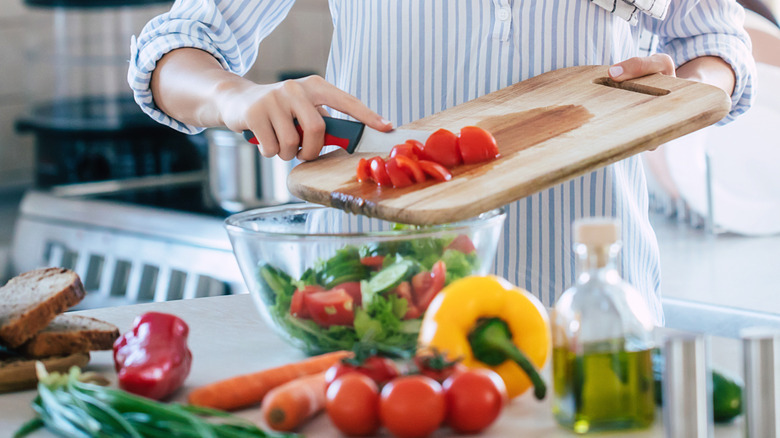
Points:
[[298, 305], [374, 262], [333, 307], [404, 290], [462, 243], [425, 285], [435, 170], [353, 289], [476, 145], [442, 147]]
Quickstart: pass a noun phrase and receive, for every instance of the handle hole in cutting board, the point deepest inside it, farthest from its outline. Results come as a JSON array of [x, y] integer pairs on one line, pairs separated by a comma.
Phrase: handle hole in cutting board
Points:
[[631, 86]]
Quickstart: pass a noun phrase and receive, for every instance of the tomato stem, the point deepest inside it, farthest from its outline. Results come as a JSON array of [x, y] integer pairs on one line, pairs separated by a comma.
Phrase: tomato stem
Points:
[[491, 343]]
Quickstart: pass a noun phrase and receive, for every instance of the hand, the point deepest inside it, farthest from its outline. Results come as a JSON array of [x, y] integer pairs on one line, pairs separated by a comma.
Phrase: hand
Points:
[[642, 66], [268, 111]]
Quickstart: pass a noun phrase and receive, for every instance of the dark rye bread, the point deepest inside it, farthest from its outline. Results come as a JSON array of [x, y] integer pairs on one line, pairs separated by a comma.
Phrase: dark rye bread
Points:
[[69, 334], [30, 301]]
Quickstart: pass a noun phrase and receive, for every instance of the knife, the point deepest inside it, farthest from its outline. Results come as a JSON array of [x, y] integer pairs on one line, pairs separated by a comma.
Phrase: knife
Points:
[[356, 137]]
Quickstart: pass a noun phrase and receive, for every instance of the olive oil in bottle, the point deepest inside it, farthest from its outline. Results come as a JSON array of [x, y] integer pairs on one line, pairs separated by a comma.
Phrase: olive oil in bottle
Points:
[[602, 341]]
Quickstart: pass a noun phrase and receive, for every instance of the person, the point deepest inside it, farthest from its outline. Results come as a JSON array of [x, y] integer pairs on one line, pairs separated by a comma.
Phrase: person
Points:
[[395, 61]]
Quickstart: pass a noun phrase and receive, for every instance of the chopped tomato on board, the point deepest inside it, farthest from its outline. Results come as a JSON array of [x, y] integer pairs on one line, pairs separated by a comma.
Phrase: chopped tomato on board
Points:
[[379, 172], [411, 167], [435, 170], [442, 147], [364, 170], [476, 145], [406, 149], [398, 176]]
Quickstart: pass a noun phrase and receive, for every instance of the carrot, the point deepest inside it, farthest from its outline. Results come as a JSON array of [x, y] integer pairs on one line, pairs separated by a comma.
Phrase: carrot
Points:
[[288, 406], [240, 391]]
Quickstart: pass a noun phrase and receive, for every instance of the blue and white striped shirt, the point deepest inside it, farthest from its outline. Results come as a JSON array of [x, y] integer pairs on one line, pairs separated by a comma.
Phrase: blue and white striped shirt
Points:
[[407, 59]]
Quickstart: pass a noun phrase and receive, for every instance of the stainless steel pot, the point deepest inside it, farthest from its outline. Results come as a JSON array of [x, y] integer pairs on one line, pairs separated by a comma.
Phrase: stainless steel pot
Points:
[[240, 178]]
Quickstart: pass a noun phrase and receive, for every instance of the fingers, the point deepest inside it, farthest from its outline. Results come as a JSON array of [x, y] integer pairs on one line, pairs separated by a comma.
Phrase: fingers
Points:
[[324, 93], [642, 66]]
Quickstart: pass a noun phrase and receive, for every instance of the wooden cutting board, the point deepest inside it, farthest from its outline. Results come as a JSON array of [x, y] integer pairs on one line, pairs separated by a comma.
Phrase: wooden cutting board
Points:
[[549, 129]]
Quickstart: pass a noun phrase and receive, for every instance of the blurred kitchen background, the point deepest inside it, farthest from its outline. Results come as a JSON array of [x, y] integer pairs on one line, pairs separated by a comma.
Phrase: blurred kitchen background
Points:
[[88, 182]]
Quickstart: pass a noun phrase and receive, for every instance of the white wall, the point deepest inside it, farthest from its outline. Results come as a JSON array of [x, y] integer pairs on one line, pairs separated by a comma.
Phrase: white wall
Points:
[[300, 43]]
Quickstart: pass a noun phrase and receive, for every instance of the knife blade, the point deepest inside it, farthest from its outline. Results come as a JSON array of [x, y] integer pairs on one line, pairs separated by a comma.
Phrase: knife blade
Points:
[[355, 137]]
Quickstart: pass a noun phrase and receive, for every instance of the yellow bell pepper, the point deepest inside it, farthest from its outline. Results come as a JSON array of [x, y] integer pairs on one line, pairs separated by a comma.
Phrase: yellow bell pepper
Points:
[[487, 322]]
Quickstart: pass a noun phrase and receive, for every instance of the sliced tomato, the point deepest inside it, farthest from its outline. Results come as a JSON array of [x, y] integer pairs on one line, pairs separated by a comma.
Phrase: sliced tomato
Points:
[[298, 306], [476, 145], [435, 170], [442, 147], [405, 149], [353, 289], [373, 261], [425, 287], [411, 167], [398, 176], [333, 307], [417, 146], [404, 290], [379, 172], [364, 170], [463, 244]]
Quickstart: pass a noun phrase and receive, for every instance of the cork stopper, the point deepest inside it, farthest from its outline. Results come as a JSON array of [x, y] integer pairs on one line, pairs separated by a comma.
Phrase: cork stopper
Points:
[[596, 231]]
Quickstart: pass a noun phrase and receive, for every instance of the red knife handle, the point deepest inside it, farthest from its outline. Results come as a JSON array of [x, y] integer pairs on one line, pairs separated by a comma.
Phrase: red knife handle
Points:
[[338, 132]]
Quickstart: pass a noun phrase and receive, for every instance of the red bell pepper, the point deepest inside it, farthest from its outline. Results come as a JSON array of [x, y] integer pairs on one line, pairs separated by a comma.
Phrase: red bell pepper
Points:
[[152, 360]]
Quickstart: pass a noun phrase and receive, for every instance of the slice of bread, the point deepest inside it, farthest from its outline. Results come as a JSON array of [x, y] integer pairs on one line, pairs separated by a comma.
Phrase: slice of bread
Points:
[[30, 301], [18, 373], [69, 334]]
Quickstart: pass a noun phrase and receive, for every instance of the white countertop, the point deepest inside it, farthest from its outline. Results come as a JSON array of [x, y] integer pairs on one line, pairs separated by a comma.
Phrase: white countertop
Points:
[[228, 337]]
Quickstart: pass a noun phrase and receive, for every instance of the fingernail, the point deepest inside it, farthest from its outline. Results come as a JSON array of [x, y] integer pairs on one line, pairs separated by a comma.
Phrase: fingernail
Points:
[[386, 122], [615, 71]]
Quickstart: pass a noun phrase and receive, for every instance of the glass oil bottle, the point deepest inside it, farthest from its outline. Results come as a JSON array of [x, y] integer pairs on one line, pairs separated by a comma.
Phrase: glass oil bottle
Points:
[[602, 340]]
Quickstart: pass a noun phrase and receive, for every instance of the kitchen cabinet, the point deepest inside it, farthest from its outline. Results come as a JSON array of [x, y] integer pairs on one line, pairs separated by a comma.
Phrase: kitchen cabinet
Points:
[[228, 337]]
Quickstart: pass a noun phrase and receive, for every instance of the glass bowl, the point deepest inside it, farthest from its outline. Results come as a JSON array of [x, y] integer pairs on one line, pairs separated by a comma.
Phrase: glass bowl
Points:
[[325, 279]]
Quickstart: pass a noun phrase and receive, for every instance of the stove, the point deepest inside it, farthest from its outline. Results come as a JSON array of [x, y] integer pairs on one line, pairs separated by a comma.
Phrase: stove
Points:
[[130, 242]]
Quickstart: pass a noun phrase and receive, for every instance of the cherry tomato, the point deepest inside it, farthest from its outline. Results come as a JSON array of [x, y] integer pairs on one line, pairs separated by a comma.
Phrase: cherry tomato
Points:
[[352, 403], [398, 176], [379, 172], [462, 243], [411, 167], [442, 147], [333, 307], [373, 261], [436, 366], [435, 170], [412, 406], [364, 170], [353, 289], [406, 149], [474, 399], [298, 305], [476, 145], [425, 285], [380, 369]]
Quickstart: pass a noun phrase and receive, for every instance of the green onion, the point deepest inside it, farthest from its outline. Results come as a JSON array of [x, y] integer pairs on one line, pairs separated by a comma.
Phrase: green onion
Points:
[[69, 406]]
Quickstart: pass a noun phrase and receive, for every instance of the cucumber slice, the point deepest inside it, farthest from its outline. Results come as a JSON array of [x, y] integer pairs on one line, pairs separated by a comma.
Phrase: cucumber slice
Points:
[[390, 277]]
